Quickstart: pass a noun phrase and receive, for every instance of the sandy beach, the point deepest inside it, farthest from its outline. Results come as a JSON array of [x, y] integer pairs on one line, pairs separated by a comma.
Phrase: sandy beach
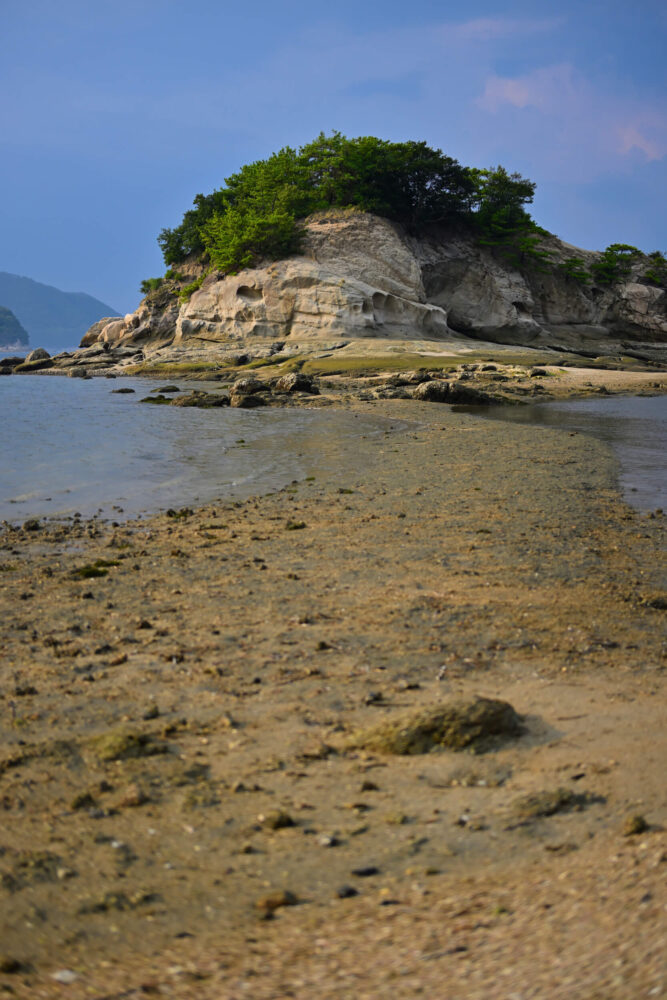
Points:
[[188, 810]]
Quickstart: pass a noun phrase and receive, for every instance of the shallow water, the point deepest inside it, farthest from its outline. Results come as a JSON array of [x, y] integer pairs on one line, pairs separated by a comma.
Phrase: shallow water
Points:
[[72, 445], [635, 427]]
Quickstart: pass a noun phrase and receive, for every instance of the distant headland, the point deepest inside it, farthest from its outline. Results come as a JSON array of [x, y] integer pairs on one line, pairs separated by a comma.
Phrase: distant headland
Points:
[[49, 317]]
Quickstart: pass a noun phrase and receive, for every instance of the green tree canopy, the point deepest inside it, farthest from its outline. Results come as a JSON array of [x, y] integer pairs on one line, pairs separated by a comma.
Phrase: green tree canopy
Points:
[[256, 214], [615, 263]]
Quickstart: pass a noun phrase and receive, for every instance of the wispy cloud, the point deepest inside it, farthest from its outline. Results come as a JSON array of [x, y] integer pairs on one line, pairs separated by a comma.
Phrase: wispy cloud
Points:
[[581, 129], [484, 29], [637, 136], [547, 89]]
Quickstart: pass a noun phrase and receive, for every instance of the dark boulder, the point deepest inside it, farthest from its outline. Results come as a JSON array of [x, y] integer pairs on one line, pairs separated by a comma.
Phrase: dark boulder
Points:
[[297, 382], [435, 391], [247, 402], [202, 400], [248, 386]]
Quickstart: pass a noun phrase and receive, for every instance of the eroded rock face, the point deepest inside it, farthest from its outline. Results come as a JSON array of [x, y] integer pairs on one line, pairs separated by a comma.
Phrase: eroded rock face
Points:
[[482, 298], [154, 321], [360, 276], [366, 248], [639, 309], [486, 297], [300, 298], [107, 330]]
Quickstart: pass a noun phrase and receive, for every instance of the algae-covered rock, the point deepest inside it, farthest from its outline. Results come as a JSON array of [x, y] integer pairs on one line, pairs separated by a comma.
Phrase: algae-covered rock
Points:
[[245, 401], [635, 825], [441, 391], [202, 400], [99, 568], [158, 400], [267, 905], [122, 743], [468, 395], [539, 805], [34, 366], [277, 820], [475, 722]]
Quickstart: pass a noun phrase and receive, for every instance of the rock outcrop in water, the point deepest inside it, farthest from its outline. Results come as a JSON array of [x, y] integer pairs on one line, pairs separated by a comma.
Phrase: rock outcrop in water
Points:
[[361, 276]]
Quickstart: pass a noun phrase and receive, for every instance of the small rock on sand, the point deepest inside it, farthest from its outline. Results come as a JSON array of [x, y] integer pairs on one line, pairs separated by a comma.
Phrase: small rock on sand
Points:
[[454, 726]]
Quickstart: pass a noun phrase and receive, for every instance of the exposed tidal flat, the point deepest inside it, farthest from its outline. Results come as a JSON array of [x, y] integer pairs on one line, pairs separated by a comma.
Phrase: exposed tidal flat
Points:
[[634, 427], [190, 708]]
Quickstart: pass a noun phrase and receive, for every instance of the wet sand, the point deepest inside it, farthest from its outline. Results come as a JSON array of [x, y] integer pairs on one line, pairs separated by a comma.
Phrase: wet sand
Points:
[[176, 725]]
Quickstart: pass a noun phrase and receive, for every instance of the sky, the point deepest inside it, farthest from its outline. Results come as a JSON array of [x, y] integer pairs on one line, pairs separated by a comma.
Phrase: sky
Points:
[[114, 115]]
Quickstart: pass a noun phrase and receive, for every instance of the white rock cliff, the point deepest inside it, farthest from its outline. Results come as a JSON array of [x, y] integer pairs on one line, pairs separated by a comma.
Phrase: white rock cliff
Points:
[[360, 276]]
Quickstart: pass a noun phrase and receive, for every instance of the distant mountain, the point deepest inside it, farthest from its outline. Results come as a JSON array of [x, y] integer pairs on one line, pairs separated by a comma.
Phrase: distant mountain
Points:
[[53, 319], [12, 335]]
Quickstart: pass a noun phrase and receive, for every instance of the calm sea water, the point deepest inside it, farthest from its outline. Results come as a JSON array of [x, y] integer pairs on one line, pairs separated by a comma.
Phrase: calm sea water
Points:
[[635, 427], [72, 445]]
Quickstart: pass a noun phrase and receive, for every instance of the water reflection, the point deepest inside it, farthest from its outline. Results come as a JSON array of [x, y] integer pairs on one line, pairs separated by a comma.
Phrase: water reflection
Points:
[[72, 445], [635, 427]]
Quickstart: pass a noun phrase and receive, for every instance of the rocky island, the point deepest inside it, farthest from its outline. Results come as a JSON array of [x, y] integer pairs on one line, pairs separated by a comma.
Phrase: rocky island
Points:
[[361, 278], [407, 259], [364, 299], [398, 724]]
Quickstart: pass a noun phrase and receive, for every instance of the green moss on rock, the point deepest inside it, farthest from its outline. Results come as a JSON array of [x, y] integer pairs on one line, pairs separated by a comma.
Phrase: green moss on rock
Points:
[[539, 805], [474, 723], [123, 744], [99, 568], [202, 400]]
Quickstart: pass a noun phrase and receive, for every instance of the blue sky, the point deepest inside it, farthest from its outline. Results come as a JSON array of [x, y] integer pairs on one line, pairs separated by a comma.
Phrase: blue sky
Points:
[[115, 114]]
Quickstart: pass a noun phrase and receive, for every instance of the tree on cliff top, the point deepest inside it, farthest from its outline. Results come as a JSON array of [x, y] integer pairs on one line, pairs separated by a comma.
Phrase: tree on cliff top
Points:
[[256, 214]]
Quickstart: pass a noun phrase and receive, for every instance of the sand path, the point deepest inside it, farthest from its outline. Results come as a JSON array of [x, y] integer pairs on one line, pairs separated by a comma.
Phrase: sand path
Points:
[[159, 718]]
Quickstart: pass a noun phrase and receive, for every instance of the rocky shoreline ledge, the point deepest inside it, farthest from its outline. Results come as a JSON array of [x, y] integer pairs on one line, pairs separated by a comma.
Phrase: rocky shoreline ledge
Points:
[[357, 372], [201, 793]]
